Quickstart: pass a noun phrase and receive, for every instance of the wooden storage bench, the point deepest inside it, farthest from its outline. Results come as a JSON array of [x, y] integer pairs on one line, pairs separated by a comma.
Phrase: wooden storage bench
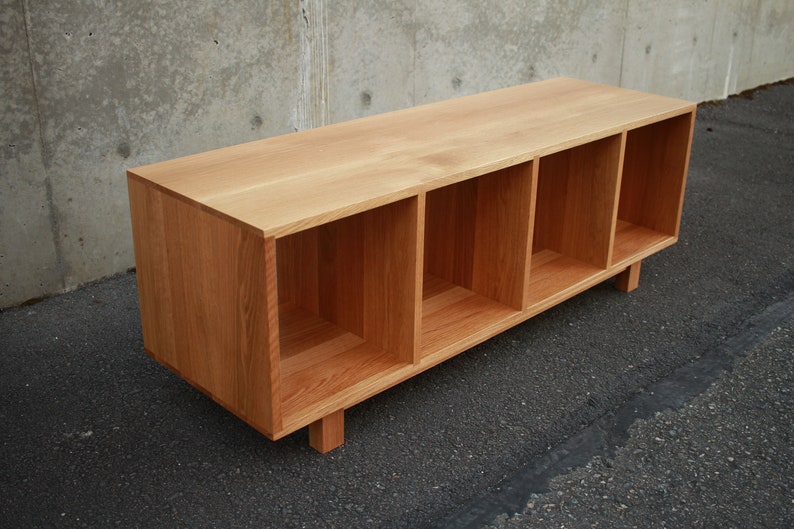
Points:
[[293, 277]]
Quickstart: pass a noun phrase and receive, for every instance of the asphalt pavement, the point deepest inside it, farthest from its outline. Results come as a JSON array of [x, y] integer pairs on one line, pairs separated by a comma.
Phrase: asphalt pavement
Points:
[[670, 406]]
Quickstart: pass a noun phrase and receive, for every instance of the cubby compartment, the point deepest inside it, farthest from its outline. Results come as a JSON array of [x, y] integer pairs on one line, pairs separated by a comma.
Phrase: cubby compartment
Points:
[[476, 242], [347, 309], [652, 188], [572, 235]]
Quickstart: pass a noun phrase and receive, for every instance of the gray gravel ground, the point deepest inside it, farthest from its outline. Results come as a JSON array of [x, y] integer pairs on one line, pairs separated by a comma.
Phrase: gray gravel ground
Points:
[[726, 459], [93, 433]]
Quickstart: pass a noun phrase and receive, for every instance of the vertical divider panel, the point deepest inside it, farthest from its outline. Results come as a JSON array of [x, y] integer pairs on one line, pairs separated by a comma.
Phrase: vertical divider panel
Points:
[[297, 270], [391, 281], [591, 199], [533, 202], [264, 367], [449, 232], [341, 268], [502, 234], [419, 275], [616, 199]]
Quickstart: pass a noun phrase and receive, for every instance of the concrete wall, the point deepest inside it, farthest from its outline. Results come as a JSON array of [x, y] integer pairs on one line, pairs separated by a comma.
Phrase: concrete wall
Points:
[[91, 87]]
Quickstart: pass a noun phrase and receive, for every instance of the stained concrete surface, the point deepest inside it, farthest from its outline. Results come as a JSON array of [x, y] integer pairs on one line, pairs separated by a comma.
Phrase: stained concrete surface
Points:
[[516, 42], [35, 271], [94, 433], [96, 88]]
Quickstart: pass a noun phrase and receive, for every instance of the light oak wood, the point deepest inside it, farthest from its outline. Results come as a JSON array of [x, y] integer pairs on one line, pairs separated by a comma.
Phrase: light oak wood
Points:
[[477, 233], [576, 201], [207, 294], [289, 183], [452, 314], [294, 277], [327, 433], [654, 174], [629, 279]]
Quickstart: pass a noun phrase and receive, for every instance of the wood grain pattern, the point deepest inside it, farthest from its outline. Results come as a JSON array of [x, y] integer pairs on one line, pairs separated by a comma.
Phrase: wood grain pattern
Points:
[[327, 433], [633, 242], [359, 273], [347, 311], [654, 174], [294, 277], [297, 265], [477, 233], [207, 290], [290, 183], [629, 279], [553, 274], [450, 219], [391, 278], [152, 272], [454, 316], [577, 192], [502, 234]]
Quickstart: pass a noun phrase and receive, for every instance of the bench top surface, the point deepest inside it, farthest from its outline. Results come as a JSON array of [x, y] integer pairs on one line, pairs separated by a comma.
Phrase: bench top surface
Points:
[[288, 183]]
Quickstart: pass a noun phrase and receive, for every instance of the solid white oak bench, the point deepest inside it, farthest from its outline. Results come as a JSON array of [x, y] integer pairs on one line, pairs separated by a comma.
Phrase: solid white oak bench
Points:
[[293, 277]]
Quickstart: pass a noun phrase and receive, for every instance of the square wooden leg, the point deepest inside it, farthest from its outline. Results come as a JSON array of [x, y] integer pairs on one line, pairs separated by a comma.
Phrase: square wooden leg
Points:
[[328, 432], [629, 279]]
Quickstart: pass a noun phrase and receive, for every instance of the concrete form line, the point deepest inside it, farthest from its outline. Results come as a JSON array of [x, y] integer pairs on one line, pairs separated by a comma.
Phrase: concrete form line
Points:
[[313, 105], [55, 228]]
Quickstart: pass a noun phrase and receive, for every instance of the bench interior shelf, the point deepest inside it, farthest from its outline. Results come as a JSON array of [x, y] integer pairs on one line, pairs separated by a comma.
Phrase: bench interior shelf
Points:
[[293, 277]]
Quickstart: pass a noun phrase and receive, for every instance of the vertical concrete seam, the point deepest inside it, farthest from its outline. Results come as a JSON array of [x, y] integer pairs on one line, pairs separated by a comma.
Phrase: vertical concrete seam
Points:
[[60, 268], [709, 74], [313, 103], [623, 43], [416, 42]]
